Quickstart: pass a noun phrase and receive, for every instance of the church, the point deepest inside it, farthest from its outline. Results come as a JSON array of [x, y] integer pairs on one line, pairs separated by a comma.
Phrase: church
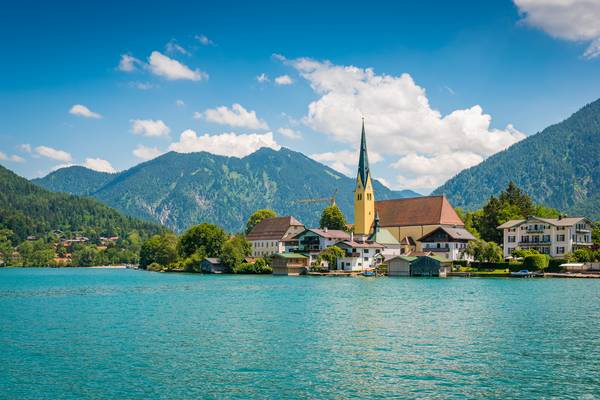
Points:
[[412, 225]]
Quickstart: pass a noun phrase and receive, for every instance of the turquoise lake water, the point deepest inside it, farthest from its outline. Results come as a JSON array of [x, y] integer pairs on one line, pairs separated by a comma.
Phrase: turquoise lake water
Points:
[[109, 334]]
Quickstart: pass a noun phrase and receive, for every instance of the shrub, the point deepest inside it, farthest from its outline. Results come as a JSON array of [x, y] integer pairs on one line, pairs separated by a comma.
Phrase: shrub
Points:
[[156, 267], [460, 263], [535, 262], [256, 268]]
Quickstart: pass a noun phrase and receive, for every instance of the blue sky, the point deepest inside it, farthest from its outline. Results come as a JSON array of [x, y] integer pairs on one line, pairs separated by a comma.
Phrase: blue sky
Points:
[[442, 85]]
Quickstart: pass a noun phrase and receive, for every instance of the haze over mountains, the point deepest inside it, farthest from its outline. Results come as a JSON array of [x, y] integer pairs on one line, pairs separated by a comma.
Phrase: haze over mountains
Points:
[[179, 190], [558, 167]]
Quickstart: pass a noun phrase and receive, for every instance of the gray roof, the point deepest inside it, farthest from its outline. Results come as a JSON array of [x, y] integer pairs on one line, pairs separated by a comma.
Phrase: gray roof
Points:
[[454, 233], [213, 260], [564, 221]]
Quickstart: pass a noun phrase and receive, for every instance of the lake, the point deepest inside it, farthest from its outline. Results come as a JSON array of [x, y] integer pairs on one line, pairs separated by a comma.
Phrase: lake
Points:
[[93, 333]]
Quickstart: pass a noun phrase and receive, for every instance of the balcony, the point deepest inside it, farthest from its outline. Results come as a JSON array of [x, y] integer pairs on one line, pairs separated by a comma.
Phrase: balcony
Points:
[[542, 243]]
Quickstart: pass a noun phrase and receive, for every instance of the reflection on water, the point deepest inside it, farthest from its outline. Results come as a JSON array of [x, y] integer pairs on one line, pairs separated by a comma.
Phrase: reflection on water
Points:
[[74, 333]]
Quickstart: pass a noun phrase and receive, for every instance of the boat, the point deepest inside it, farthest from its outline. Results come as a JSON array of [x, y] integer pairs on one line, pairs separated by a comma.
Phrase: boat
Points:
[[524, 273], [368, 272]]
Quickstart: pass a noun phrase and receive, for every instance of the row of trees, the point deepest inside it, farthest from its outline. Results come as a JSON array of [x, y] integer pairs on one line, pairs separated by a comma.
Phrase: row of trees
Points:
[[169, 252]]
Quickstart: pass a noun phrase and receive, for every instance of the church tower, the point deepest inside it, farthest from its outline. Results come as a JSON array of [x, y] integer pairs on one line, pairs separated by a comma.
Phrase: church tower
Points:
[[364, 199]]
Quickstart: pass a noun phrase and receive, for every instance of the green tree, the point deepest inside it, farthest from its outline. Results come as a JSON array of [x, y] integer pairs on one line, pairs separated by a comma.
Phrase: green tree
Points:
[[234, 251], [333, 218], [159, 249], [596, 233], [206, 238], [258, 267], [85, 256], [483, 251], [258, 216], [331, 255], [536, 262], [6, 247]]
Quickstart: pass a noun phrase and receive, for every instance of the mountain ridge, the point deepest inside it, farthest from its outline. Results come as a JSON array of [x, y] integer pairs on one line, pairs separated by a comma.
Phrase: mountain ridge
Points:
[[180, 189], [558, 167]]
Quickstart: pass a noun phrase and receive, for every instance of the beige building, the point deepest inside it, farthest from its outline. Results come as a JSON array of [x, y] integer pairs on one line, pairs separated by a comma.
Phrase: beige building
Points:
[[289, 264], [270, 235], [553, 236]]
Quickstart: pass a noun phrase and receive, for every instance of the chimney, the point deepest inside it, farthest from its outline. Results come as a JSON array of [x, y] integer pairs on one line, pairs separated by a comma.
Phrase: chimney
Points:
[[352, 236]]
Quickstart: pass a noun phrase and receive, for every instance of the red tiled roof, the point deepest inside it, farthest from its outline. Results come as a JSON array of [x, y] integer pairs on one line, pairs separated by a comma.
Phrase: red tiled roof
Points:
[[429, 210], [272, 228], [330, 233]]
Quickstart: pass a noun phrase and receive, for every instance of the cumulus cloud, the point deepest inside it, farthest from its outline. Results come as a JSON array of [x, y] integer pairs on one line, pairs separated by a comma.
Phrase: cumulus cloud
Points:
[[290, 133], [344, 161], [400, 122], [98, 164], [573, 20], [204, 40], [179, 103], [82, 111], [146, 153], [225, 144], [149, 127], [128, 63], [284, 80], [25, 147], [236, 116], [54, 154], [171, 69]]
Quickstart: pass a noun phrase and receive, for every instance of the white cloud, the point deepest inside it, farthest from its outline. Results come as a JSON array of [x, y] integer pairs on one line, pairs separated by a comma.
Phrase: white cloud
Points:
[[128, 63], [344, 161], [179, 103], [225, 144], [204, 40], [13, 158], [100, 165], [171, 69], [290, 133], [82, 111], [236, 116], [54, 154], [149, 127], [17, 159], [573, 20], [262, 78], [399, 119], [146, 153], [284, 80], [25, 147], [60, 166], [173, 47]]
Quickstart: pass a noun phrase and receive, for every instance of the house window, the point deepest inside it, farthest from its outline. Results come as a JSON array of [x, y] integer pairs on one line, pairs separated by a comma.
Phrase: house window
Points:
[[366, 251], [512, 239], [366, 258], [560, 238], [560, 250]]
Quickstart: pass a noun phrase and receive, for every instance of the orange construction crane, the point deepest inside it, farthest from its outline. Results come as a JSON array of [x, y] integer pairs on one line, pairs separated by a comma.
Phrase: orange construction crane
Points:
[[321, 199]]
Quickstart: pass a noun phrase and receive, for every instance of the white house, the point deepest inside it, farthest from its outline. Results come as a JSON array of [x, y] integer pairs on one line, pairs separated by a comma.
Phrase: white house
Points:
[[448, 242], [270, 235], [312, 241], [359, 255], [553, 236]]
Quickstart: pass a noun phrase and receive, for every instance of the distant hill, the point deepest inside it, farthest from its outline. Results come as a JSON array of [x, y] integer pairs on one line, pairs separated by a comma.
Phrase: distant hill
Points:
[[179, 190], [558, 167], [27, 209]]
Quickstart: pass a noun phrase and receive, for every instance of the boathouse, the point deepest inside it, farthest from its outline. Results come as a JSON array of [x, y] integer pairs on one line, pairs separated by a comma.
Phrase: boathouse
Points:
[[289, 264]]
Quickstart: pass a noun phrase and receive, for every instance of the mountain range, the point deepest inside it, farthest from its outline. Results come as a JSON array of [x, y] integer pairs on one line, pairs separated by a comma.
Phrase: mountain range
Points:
[[179, 190], [558, 167]]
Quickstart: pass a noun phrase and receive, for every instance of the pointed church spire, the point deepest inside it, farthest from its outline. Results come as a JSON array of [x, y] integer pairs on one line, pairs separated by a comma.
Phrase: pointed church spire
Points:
[[363, 162]]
